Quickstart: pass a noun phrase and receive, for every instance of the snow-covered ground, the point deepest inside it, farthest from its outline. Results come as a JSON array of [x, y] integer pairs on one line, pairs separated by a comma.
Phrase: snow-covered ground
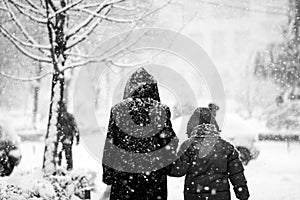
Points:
[[274, 175]]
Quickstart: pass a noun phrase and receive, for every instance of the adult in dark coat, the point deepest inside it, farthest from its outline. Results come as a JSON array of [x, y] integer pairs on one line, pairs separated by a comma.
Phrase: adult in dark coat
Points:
[[209, 162], [67, 133], [140, 142]]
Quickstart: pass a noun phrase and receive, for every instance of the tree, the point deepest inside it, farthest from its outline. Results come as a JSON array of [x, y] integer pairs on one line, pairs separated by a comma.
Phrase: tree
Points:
[[280, 63], [65, 26], [280, 60]]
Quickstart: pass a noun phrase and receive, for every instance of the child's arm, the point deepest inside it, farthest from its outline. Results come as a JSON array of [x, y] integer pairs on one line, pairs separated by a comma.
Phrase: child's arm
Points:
[[180, 166], [237, 177]]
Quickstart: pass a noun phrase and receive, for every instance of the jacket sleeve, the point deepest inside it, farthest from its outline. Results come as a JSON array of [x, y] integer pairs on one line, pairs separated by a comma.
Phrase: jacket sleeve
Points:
[[173, 140], [109, 154], [236, 175], [180, 166]]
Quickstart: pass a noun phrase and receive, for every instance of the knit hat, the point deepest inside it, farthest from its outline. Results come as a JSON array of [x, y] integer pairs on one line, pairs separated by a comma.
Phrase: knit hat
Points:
[[201, 116]]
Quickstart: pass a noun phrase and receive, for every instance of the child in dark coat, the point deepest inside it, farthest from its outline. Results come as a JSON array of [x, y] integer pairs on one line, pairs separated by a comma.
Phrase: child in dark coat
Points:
[[209, 162]]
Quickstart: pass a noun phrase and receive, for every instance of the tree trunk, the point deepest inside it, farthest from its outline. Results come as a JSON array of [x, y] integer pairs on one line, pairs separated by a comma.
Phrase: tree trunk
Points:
[[50, 153], [58, 47]]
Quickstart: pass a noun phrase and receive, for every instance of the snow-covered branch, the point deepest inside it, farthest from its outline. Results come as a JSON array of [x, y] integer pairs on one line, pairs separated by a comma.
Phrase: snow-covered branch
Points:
[[91, 28], [104, 57], [28, 8], [65, 8], [109, 18], [81, 63], [26, 44], [87, 32], [125, 8], [21, 49], [4, 9], [51, 4], [127, 65], [89, 6], [20, 25], [33, 5], [91, 18], [30, 15], [26, 79], [78, 55]]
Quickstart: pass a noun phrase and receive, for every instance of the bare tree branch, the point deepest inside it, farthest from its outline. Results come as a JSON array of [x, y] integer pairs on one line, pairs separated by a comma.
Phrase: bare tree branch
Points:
[[21, 49], [26, 44], [81, 63], [26, 79], [85, 23], [103, 58], [42, 3], [29, 8], [33, 5], [83, 36], [128, 65], [132, 29], [4, 9], [30, 15], [108, 18], [78, 55], [125, 8], [51, 4], [65, 8], [89, 5], [20, 26], [110, 57], [89, 30]]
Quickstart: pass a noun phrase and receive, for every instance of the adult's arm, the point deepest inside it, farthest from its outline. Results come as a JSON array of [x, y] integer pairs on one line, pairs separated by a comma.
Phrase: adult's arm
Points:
[[180, 166]]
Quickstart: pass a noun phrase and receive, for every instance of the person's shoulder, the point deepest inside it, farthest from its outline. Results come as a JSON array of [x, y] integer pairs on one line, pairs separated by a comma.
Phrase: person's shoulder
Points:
[[226, 145], [163, 107]]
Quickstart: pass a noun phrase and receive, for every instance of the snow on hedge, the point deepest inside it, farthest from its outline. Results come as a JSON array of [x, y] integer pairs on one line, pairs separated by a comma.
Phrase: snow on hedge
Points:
[[34, 186]]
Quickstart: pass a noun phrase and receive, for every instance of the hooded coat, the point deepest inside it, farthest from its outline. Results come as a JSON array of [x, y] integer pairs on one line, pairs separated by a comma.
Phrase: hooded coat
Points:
[[209, 163], [140, 142]]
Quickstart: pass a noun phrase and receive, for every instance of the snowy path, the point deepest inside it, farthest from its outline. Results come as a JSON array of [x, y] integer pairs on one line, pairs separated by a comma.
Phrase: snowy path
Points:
[[275, 175]]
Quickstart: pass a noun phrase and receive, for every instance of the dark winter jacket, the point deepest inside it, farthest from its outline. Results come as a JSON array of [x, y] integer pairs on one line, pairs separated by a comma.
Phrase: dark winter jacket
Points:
[[209, 162], [67, 128], [140, 142]]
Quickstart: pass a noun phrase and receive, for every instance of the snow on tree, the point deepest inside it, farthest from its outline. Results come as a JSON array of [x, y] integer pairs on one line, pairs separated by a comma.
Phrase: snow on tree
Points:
[[67, 29], [279, 62]]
